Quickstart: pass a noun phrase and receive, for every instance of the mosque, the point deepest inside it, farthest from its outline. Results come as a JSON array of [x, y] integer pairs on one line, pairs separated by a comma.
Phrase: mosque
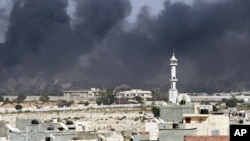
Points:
[[180, 118], [173, 92], [178, 104]]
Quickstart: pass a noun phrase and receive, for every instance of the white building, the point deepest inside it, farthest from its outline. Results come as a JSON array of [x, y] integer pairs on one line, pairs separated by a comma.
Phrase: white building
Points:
[[153, 129], [36, 130], [183, 118], [207, 124], [130, 94], [92, 93]]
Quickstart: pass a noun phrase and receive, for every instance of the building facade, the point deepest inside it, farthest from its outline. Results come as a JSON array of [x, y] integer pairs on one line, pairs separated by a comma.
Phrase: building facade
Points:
[[82, 94], [35, 130], [130, 94], [183, 118]]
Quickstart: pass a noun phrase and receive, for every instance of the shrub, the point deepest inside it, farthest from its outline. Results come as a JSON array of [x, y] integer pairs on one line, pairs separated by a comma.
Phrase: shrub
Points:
[[27, 111], [136, 119], [76, 118], [44, 98], [62, 103], [86, 103], [18, 107], [215, 109], [7, 100], [123, 117], [21, 98]]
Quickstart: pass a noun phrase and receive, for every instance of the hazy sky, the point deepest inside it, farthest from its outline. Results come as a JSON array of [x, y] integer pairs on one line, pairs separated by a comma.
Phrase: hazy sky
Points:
[[155, 7], [106, 43]]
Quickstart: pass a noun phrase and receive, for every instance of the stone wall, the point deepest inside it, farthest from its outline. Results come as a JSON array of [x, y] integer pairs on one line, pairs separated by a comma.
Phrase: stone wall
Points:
[[175, 134]]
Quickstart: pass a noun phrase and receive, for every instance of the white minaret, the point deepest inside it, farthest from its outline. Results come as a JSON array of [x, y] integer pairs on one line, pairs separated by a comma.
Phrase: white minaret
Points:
[[173, 92]]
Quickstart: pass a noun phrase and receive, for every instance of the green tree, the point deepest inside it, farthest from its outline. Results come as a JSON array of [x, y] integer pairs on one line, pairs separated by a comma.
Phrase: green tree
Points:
[[1, 98], [18, 107], [156, 111], [7, 100], [69, 103], [156, 93], [215, 109], [99, 101], [62, 103], [21, 97], [138, 99], [231, 102], [44, 98], [106, 97], [86, 103]]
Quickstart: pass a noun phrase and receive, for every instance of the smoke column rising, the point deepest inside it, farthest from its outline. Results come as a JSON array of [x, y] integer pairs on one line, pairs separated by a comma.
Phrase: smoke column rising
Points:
[[97, 46]]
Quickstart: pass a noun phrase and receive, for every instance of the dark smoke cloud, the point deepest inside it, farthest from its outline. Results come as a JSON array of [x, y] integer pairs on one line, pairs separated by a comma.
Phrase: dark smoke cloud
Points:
[[44, 49]]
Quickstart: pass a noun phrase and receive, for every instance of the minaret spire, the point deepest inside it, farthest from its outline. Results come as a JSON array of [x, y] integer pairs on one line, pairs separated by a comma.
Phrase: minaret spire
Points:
[[173, 92]]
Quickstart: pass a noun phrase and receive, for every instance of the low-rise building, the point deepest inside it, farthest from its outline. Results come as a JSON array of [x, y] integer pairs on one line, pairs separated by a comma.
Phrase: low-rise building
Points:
[[191, 119], [174, 131], [35, 130], [81, 94], [130, 94], [207, 124]]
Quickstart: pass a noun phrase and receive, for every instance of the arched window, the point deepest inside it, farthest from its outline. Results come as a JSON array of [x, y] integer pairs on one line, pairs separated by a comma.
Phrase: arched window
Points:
[[35, 121]]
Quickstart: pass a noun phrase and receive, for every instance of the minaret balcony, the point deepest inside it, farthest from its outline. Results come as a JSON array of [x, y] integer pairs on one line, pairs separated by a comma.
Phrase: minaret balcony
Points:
[[173, 79], [173, 64]]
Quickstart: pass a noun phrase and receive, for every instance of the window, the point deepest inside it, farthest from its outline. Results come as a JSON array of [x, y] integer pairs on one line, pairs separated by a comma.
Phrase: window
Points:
[[34, 121], [50, 128], [188, 120], [48, 139]]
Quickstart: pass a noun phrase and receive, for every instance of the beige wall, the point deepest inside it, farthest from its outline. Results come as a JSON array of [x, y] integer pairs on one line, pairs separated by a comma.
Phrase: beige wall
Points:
[[209, 124]]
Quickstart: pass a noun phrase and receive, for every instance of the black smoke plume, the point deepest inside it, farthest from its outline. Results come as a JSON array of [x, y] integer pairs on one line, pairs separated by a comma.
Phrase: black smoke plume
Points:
[[45, 49]]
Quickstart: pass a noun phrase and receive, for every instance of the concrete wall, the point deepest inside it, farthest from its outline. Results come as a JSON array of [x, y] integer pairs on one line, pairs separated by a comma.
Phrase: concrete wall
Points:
[[206, 138], [22, 123], [32, 134], [211, 126], [174, 113], [175, 134], [38, 133], [3, 129], [215, 98]]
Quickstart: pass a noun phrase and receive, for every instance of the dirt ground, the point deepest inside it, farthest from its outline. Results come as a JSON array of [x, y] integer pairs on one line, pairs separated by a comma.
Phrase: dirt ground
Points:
[[122, 118]]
